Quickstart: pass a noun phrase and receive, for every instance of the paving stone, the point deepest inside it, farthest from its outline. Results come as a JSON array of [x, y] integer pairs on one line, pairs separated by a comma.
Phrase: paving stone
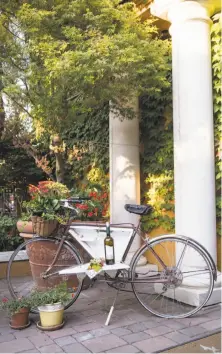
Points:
[[31, 351], [211, 325], [193, 331], [157, 331], [104, 343], [81, 337], [137, 327], [177, 337], [62, 341], [16, 345], [135, 337], [87, 327], [27, 333], [75, 348], [139, 317], [61, 333], [124, 349], [174, 324], [40, 340], [7, 330], [53, 348], [99, 332], [155, 344], [6, 338], [151, 324], [121, 331], [116, 323]]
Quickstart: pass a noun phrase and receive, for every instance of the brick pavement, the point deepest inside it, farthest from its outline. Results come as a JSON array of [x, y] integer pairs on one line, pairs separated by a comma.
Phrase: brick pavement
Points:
[[131, 330]]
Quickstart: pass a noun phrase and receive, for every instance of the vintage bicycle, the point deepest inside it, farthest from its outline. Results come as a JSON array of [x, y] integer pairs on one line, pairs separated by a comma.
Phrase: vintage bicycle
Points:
[[180, 262]]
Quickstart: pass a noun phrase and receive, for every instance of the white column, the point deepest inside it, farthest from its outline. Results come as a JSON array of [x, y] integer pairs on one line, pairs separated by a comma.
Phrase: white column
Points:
[[192, 118], [124, 167]]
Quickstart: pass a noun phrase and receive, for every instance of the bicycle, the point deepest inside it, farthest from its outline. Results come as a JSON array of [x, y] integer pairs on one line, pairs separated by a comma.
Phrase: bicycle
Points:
[[184, 263]]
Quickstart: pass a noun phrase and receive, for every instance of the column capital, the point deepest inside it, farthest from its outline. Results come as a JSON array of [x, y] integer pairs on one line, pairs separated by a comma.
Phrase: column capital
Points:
[[178, 11]]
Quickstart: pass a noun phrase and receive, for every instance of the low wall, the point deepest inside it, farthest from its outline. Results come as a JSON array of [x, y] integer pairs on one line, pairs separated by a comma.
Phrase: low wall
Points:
[[22, 267]]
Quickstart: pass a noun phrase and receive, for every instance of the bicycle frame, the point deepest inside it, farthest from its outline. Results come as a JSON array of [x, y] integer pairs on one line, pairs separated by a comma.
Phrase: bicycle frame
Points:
[[151, 278]]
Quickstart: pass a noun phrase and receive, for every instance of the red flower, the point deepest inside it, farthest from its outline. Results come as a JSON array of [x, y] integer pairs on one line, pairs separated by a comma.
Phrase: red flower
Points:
[[104, 195], [4, 299], [103, 213], [90, 214]]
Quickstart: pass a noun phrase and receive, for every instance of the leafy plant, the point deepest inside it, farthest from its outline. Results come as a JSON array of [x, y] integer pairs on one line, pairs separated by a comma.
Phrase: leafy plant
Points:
[[50, 296], [216, 41], [45, 200], [13, 306], [97, 207], [9, 237]]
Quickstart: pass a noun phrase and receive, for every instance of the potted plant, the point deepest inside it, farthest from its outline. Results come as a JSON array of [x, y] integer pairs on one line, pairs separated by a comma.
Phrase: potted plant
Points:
[[94, 210], [18, 310], [50, 304], [44, 206]]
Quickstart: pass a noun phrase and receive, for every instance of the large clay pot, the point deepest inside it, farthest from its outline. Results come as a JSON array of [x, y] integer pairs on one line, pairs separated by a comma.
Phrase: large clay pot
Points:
[[20, 319], [41, 255], [25, 227]]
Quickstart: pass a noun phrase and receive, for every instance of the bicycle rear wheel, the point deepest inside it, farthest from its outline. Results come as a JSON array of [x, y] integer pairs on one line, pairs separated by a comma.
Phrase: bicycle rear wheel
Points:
[[180, 266], [36, 255]]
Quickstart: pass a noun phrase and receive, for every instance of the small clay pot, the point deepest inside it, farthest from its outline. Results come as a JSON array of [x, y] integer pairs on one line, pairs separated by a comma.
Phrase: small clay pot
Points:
[[20, 319], [25, 227]]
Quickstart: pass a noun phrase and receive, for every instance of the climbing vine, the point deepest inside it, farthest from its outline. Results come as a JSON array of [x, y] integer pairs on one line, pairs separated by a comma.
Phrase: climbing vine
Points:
[[216, 67], [157, 159]]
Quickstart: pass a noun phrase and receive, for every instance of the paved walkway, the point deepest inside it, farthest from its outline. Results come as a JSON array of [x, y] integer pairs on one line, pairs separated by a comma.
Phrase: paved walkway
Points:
[[131, 329]]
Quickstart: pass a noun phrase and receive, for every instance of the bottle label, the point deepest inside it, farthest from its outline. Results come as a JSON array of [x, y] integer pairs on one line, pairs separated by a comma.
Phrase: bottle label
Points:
[[109, 252]]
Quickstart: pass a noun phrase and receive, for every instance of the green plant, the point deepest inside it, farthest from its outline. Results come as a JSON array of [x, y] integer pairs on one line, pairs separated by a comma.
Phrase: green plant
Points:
[[9, 237], [50, 296], [13, 306], [216, 41], [45, 200], [97, 207]]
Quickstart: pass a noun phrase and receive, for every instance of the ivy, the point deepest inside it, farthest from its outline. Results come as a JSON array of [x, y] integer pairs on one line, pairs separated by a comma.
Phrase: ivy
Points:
[[157, 183], [216, 69]]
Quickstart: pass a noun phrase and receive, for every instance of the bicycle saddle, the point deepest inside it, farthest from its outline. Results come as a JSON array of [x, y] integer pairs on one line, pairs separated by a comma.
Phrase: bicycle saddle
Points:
[[138, 209]]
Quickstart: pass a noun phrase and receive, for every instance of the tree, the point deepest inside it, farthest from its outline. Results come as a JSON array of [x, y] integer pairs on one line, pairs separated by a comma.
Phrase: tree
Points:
[[76, 55], [63, 60]]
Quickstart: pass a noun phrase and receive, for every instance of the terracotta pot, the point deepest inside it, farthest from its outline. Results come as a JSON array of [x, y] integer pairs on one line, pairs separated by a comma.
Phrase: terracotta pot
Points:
[[25, 227], [41, 255], [43, 228], [20, 319]]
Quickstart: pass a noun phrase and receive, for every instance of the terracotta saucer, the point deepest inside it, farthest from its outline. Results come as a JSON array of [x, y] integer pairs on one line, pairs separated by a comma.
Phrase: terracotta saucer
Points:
[[50, 328], [22, 327]]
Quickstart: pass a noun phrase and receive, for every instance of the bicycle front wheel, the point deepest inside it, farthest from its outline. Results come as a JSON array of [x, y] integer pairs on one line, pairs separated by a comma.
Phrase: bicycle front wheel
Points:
[[34, 257], [180, 266]]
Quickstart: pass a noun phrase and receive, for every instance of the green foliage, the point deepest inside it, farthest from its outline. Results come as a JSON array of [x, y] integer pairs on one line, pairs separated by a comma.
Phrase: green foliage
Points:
[[16, 167], [157, 184], [216, 66], [13, 306], [74, 56], [87, 144], [9, 237], [51, 296], [45, 199]]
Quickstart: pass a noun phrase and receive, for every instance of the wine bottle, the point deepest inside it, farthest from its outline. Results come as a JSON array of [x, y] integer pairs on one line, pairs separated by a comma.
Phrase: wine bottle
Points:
[[109, 246]]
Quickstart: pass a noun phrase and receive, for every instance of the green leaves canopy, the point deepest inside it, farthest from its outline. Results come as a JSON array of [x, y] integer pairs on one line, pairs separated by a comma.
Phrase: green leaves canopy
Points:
[[63, 58]]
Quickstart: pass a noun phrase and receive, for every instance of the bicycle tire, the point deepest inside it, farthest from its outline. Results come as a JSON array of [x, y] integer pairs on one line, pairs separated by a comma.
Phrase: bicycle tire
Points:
[[66, 244], [166, 297]]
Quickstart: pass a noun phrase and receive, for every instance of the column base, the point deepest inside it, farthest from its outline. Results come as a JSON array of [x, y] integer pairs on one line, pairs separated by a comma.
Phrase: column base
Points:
[[193, 295]]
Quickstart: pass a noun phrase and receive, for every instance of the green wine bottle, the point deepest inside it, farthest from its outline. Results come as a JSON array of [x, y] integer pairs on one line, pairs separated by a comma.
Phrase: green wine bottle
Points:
[[109, 246]]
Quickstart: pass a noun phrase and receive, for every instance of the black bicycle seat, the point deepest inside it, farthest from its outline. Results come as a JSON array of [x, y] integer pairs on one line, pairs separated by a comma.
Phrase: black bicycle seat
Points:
[[138, 209]]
